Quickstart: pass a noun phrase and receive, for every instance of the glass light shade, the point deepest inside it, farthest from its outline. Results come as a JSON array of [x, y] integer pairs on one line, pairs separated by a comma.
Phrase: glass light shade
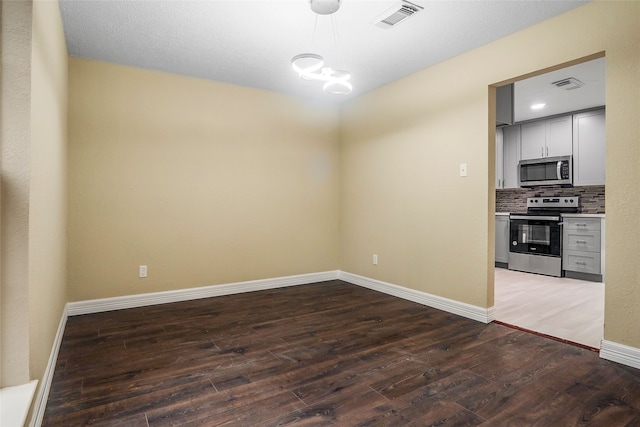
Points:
[[310, 66], [306, 64], [338, 83]]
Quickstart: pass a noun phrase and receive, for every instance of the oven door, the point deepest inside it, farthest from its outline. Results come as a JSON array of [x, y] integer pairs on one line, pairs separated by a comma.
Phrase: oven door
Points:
[[536, 235]]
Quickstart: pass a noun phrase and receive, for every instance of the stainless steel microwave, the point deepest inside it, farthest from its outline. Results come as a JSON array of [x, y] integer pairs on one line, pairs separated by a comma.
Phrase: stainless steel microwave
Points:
[[546, 171]]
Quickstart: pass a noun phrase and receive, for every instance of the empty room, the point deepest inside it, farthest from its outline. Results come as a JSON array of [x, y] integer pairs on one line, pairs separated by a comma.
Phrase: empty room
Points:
[[261, 213]]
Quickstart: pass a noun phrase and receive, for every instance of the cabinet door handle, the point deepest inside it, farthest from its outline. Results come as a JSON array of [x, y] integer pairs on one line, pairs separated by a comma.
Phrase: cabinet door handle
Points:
[[541, 151], [547, 151], [581, 263], [581, 241]]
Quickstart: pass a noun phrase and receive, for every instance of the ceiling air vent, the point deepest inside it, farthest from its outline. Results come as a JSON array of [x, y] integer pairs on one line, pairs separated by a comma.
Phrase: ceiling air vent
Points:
[[568, 83], [396, 14]]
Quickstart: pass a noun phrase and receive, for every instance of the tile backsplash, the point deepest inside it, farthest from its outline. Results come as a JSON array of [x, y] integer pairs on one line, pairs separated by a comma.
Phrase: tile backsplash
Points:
[[515, 199]]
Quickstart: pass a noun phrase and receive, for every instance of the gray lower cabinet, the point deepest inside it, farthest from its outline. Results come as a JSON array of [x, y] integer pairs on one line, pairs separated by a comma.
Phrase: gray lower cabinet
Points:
[[502, 240], [583, 253]]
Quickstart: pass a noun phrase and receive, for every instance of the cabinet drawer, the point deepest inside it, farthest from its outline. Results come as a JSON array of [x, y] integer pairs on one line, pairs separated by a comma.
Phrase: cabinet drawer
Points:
[[579, 240], [583, 224], [584, 262]]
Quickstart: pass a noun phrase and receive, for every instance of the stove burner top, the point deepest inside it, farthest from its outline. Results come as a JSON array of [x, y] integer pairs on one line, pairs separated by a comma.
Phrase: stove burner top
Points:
[[552, 205]]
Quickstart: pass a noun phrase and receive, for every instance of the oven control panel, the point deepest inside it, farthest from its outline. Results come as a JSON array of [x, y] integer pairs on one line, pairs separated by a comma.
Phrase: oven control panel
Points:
[[553, 202]]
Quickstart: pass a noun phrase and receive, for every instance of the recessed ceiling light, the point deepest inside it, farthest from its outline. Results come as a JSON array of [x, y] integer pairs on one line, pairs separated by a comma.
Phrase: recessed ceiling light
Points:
[[538, 106]]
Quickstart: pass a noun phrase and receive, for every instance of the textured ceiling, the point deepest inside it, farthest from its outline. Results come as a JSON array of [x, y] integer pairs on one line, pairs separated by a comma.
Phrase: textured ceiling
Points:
[[540, 89], [251, 43]]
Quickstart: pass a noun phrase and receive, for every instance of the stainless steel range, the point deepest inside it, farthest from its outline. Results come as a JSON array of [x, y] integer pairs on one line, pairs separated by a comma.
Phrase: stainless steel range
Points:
[[535, 244]]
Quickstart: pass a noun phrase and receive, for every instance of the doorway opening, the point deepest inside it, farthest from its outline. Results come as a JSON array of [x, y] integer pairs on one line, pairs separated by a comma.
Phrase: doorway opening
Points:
[[570, 307]]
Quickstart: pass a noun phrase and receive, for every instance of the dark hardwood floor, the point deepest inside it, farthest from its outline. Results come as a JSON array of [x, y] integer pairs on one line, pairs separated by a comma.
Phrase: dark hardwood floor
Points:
[[326, 354]]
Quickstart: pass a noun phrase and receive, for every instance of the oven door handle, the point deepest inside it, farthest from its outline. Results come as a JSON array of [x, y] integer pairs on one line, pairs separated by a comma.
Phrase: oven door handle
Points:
[[536, 217]]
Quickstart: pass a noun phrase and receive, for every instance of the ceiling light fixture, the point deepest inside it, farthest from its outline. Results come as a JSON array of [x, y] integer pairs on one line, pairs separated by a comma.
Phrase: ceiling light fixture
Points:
[[310, 66], [538, 106]]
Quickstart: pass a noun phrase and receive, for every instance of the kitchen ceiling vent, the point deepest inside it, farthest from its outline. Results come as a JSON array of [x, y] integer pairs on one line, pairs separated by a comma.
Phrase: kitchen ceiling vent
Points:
[[396, 14], [568, 83]]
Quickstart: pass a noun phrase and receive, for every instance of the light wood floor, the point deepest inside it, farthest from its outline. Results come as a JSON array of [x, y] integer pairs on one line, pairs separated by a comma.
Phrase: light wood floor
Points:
[[565, 308]]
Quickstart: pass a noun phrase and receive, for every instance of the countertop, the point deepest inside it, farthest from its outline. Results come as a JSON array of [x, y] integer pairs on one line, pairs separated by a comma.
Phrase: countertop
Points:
[[566, 215], [579, 215]]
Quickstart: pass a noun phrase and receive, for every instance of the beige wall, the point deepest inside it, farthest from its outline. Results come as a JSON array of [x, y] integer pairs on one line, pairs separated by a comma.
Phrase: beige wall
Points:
[[203, 182], [402, 197], [208, 183], [33, 287], [48, 195], [15, 158]]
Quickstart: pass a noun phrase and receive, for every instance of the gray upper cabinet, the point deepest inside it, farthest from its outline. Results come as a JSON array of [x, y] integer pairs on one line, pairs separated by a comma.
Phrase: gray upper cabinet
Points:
[[559, 136], [581, 134], [547, 138], [510, 156], [499, 156], [533, 140], [589, 148], [504, 105], [507, 156]]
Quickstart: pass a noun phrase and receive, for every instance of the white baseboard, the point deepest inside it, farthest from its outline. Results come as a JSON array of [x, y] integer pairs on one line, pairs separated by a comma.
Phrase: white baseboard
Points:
[[619, 353], [45, 385], [484, 315], [141, 300], [491, 314]]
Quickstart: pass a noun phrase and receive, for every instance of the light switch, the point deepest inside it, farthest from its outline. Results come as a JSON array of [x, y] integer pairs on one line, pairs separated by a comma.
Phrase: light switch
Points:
[[463, 169]]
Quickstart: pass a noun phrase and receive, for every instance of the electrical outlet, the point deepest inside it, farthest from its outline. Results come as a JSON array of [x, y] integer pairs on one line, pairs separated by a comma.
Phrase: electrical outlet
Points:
[[142, 271], [375, 259]]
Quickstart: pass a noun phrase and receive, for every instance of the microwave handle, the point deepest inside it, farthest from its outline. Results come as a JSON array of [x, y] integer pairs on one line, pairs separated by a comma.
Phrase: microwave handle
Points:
[[559, 169]]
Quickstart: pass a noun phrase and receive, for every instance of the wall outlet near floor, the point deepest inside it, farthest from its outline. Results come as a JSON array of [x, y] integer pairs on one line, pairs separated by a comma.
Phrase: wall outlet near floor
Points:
[[375, 259], [142, 271]]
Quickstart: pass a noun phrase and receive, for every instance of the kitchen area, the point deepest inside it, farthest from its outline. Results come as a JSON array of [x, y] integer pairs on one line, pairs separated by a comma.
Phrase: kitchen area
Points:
[[550, 204]]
